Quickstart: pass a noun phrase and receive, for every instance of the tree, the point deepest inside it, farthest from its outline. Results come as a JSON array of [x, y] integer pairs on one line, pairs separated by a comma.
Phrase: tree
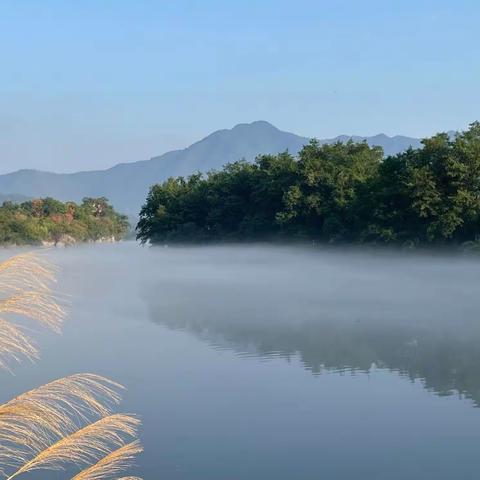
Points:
[[344, 192], [320, 202], [432, 194], [49, 220]]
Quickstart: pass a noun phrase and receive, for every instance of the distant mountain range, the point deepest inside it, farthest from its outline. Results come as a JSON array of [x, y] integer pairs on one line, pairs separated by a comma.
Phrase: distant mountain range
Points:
[[126, 185], [13, 197]]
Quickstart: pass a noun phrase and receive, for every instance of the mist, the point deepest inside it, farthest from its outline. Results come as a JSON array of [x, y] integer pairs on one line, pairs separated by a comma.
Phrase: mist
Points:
[[240, 358]]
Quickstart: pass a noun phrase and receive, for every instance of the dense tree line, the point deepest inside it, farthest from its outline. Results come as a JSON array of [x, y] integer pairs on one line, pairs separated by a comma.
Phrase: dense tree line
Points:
[[49, 220], [345, 192]]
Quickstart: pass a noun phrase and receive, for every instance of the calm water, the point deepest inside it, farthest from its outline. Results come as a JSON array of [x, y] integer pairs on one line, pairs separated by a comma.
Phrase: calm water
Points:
[[261, 363]]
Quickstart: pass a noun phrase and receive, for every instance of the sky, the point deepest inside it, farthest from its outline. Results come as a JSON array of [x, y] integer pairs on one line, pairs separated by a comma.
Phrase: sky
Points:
[[88, 84]]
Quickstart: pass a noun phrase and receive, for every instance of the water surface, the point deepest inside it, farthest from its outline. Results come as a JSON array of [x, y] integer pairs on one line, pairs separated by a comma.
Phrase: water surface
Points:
[[278, 363]]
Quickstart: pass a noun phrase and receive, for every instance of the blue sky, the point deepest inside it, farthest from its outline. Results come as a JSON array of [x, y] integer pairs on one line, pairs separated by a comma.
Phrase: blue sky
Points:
[[87, 84]]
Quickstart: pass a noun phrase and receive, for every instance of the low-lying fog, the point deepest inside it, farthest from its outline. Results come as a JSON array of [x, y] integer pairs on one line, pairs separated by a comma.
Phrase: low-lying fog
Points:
[[217, 346]]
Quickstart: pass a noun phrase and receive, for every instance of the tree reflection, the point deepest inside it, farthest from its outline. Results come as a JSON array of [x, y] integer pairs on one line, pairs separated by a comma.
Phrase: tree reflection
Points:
[[442, 351]]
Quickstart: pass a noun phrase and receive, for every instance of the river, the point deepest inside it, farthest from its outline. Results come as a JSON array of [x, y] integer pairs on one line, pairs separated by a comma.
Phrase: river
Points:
[[256, 362]]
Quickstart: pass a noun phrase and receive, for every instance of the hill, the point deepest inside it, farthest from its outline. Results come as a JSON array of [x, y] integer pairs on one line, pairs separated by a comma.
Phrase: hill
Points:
[[13, 197], [126, 185], [331, 193], [51, 222]]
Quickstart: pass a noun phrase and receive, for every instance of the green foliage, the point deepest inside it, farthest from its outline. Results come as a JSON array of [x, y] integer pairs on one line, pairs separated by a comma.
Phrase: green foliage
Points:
[[345, 192], [49, 220]]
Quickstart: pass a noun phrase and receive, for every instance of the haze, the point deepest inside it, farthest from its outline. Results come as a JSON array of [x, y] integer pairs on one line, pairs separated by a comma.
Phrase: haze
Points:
[[261, 362], [87, 85]]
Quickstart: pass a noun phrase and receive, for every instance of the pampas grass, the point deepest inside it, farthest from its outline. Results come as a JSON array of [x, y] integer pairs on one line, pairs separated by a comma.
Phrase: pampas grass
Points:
[[27, 271], [69, 422], [14, 344], [112, 464], [85, 446]]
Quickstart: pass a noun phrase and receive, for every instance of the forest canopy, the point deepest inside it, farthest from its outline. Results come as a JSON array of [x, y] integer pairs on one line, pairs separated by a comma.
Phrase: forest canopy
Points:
[[340, 193], [49, 220]]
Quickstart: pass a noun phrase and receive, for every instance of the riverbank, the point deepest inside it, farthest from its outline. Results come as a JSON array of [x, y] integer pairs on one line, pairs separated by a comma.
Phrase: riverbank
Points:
[[49, 222]]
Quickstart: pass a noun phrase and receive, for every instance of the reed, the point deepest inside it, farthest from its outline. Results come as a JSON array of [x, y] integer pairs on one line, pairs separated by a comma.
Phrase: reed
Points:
[[112, 464], [27, 271], [69, 422], [14, 344], [83, 447]]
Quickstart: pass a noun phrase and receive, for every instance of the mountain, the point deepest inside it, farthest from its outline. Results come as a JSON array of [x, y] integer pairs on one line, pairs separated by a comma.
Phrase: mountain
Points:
[[126, 185], [390, 145], [13, 197]]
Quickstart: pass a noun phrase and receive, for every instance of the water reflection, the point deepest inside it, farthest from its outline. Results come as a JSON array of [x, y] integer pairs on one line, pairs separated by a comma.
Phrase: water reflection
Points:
[[210, 414], [335, 312]]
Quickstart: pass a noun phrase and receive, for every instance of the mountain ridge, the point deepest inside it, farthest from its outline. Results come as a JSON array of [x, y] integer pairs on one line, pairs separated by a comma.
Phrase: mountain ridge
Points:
[[126, 184]]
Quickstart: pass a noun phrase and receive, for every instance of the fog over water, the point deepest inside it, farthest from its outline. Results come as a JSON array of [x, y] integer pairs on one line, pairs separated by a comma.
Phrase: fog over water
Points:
[[278, 362]]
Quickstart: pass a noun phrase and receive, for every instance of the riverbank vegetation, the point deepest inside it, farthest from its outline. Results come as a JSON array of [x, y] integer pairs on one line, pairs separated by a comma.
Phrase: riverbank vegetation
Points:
[[52, 221], [68, 424], [340, 193]]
